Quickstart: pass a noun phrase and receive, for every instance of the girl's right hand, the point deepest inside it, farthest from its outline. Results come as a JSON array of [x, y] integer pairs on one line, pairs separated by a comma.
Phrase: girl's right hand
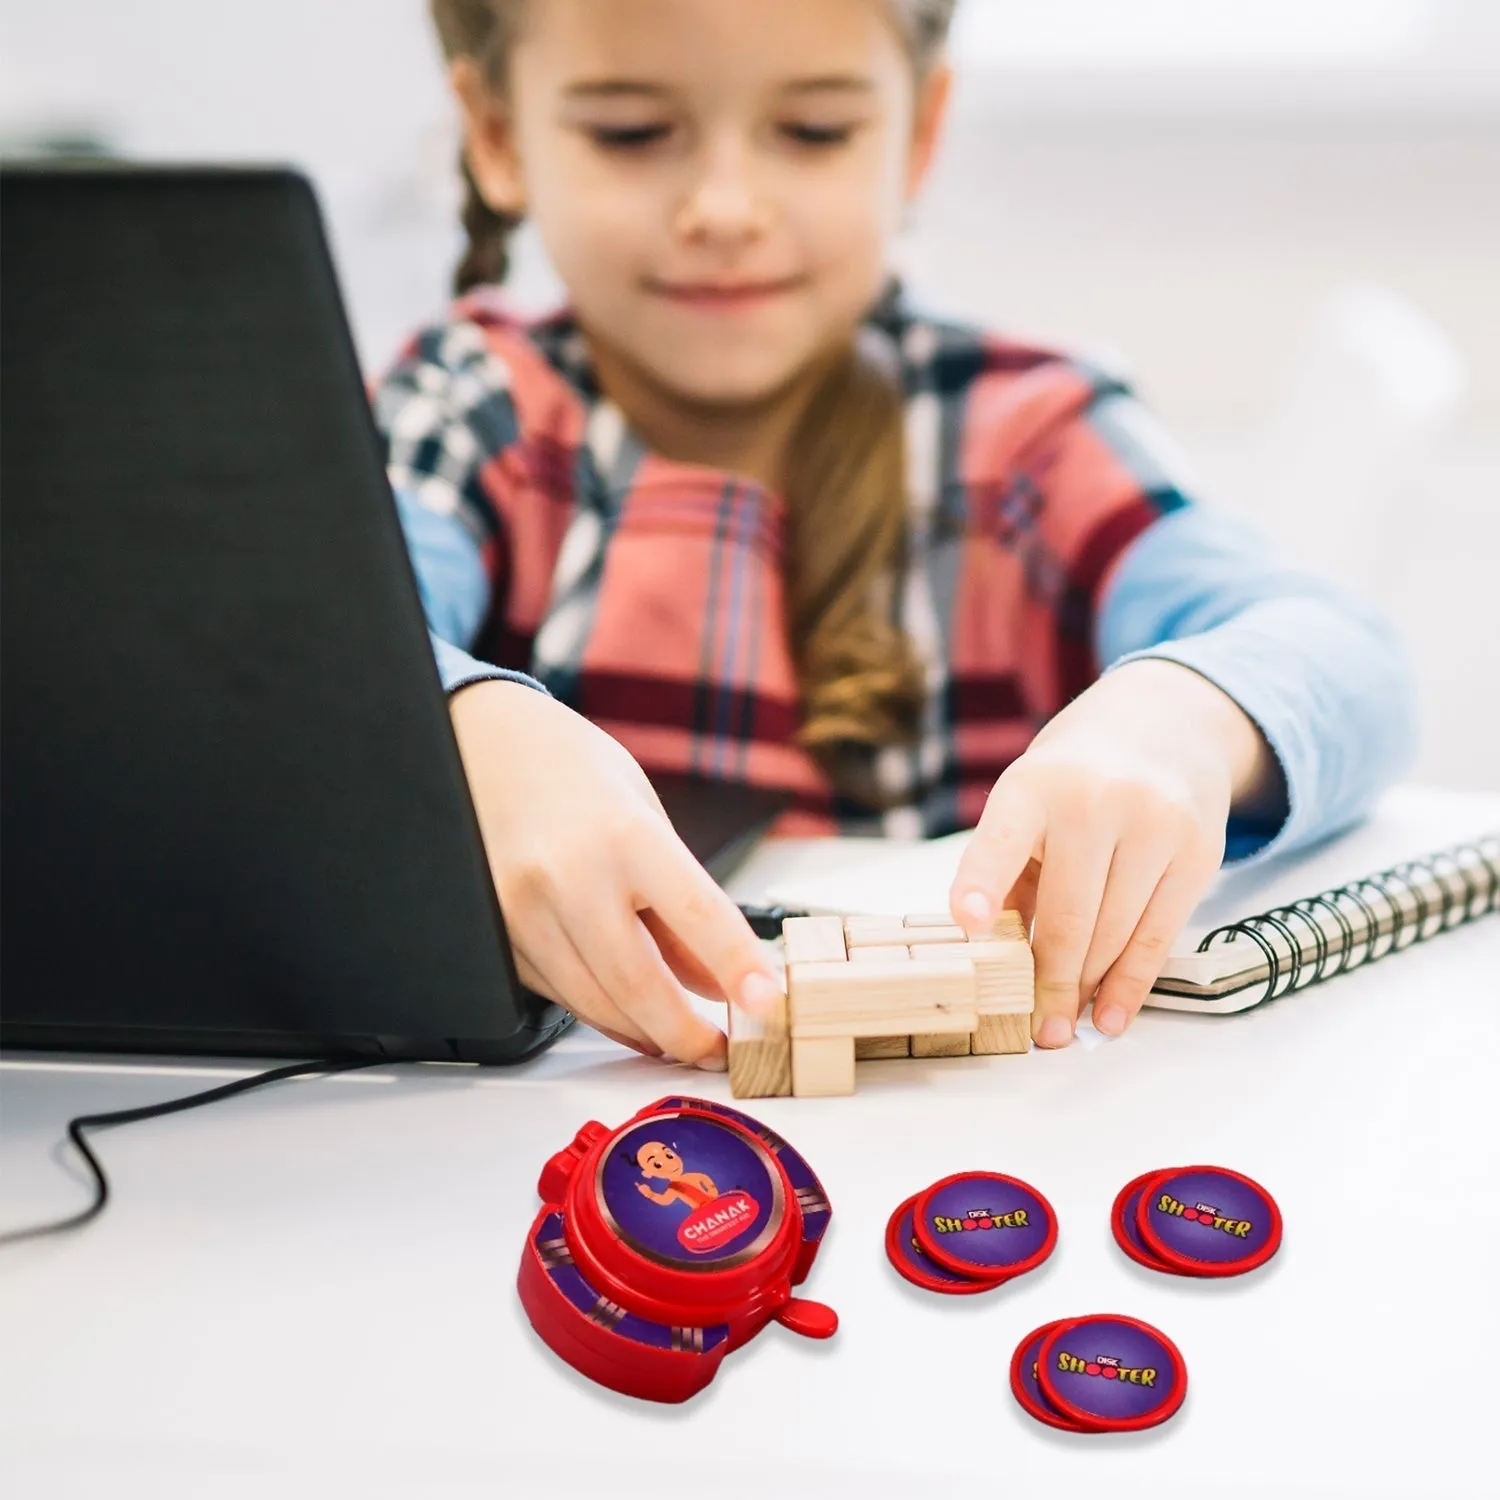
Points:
[[608, 912]]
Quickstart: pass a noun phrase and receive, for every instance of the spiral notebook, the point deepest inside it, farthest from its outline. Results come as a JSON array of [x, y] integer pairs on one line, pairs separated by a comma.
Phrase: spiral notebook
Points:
[[1316, 937], [1260, 938]]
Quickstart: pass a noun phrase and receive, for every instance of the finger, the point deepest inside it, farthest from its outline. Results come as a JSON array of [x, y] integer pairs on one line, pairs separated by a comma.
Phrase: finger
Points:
[[1009, 834], [1022, 895], [631, 971], [1138, 865], [1075, 869], [1123, 989], [646, 1049], [708, 932], [552, 966], [681, 959]]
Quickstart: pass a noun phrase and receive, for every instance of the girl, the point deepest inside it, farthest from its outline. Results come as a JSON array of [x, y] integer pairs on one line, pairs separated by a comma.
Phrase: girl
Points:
[[748, 510]]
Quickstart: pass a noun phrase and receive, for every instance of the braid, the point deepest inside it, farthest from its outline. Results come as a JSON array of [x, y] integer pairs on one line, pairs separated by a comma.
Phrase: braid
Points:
[[483, 30], [863, 685], [486, 258]]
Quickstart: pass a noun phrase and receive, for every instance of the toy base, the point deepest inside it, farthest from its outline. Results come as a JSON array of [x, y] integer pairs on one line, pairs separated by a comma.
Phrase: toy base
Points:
[[598, 1338]]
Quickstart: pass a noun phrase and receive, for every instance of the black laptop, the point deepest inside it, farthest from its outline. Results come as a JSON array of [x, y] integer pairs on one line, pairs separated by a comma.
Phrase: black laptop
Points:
[[232, 814]]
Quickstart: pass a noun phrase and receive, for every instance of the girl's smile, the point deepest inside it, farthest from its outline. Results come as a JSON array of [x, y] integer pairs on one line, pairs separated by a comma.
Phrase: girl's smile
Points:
[[725, 297]]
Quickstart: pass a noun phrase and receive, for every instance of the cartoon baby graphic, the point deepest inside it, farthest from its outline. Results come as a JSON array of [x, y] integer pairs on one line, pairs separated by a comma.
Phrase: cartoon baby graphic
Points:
[[662, 1163]]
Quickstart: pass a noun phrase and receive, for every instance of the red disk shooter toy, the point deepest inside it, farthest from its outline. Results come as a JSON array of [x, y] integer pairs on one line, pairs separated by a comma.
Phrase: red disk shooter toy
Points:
[[668, 1242]]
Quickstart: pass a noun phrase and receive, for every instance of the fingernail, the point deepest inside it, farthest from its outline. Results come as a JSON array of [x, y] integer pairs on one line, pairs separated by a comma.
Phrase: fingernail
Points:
[[1055, 1032], [759, 992], [1110, 1020], [975, 907], [715, 1062]]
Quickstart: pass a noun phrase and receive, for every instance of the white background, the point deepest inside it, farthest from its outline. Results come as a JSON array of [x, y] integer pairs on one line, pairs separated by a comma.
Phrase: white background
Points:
[[310, 1291]]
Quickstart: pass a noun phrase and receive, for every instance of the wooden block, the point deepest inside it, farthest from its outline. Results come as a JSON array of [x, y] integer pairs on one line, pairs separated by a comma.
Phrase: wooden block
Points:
[[940, 1045], [897, 953], [759, 1069], [930, 919], [1003, 976], [822, 1066], [867, 932], [934, 934], [891, 1023], [1002, 1033], [878, 1048], [870, 989], [760, 1053], [813, 940], [1008, 928]]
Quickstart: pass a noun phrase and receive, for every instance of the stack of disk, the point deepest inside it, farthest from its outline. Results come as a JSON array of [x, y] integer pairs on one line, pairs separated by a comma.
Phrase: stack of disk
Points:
[[1103, 1373], [970, 1232], [1196, 1221]]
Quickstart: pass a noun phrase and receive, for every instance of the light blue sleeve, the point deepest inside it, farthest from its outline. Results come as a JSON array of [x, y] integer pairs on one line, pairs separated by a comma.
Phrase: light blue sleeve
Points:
[[1323, 675], [455, 591]]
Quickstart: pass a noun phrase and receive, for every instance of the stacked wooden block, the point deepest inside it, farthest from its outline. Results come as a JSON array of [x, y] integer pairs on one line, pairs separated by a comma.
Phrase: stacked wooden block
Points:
[[882, 987]]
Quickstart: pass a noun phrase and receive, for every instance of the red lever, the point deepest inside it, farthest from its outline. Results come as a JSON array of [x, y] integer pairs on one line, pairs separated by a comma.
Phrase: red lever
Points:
[[561, 1166], [812, 1320]]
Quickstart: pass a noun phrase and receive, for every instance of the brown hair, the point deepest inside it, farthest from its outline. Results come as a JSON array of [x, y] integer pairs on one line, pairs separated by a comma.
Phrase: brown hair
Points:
[[861, 682]]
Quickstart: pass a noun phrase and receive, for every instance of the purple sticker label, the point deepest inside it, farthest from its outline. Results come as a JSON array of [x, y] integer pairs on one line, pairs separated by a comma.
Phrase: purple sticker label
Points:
[[689, 1192], [1208, 1216], [811, 1198], [988, 1222], [552, 1249], [1113, 1370]]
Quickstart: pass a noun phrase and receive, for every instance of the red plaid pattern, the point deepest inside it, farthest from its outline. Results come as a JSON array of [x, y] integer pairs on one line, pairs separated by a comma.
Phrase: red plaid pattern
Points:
[[648, 594]]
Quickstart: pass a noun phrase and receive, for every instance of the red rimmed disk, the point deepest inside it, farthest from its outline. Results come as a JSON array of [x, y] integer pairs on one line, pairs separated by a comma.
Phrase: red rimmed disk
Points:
[[1208, 1221], [1110, 1373], [905, 1253], [1025, 1386], [985, 1224], [1127, 1232]]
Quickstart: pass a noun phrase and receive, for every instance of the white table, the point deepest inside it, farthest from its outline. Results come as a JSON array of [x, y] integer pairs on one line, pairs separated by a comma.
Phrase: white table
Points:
[[311, 1290]]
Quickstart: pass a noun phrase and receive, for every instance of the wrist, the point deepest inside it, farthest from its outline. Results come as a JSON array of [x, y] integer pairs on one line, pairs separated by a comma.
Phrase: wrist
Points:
[[495, 705], [1216, 722], [494, 690]]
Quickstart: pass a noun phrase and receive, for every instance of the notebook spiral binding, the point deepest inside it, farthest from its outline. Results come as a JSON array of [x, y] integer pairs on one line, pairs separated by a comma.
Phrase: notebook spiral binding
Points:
[[1370, 918]]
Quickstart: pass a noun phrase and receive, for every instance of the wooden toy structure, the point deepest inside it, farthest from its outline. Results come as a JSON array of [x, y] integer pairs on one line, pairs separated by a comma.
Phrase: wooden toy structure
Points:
[[882, 987]]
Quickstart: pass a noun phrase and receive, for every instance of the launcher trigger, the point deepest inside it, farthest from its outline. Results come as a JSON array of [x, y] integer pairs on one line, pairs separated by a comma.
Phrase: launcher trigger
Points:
[[813, 1320]]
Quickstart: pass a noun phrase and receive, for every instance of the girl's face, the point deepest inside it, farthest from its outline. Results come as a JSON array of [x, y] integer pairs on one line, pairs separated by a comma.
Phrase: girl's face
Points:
[[717, 182]]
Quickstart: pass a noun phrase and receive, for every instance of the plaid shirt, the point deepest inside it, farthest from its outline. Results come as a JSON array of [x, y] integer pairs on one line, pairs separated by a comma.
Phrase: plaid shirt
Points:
[[648, 594]]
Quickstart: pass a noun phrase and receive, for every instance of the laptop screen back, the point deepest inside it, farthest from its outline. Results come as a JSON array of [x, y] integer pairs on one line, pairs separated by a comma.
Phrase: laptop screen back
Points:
[[234, 817]]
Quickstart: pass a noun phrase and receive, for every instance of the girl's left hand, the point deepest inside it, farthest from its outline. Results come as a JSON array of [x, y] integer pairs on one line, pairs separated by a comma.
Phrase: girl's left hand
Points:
[[1108, 830]]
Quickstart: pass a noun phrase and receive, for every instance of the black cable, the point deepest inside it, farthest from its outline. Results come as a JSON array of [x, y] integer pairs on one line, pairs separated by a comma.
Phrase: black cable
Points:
[[765, 921], [80, 1123]]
